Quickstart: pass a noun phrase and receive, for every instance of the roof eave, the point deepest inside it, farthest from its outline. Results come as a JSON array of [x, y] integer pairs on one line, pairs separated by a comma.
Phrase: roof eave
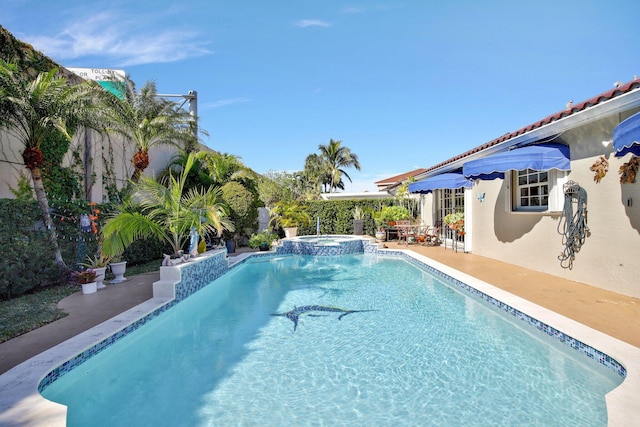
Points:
[[601, 110]]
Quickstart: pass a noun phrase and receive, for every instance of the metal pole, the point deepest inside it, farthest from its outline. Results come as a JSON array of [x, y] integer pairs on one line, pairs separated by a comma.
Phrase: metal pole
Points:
[[192, 98], [193, 110]]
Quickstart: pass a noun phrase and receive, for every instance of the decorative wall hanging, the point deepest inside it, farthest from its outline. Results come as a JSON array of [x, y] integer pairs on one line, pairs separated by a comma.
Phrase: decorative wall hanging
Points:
[[573, 226], [600, 167], [480, 197], [629, 170]]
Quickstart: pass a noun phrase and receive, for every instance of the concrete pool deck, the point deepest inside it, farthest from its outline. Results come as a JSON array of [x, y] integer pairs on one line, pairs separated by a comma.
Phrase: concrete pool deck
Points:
[[612, 314]]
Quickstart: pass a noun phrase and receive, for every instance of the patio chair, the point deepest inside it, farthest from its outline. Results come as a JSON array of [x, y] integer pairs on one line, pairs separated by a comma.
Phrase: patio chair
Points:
[[433, 235], [405, 232]]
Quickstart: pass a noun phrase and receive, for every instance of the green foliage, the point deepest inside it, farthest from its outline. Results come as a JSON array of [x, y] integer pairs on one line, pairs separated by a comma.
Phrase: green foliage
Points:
[[336, 216], [165, 213], [27, 58], [274, 187], [453, 218], [24, 192], [27, 256], [59, 181], [145, 250], [31, 311], [391, 213], [262, 238], [291, 214], [243, 209]]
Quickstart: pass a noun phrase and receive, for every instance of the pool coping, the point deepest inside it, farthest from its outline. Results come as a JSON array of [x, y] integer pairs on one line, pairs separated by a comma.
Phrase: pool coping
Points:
[[21, 403]]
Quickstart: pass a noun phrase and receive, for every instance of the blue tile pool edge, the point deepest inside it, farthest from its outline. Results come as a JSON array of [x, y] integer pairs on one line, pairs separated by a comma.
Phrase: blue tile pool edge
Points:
[[196, 275]]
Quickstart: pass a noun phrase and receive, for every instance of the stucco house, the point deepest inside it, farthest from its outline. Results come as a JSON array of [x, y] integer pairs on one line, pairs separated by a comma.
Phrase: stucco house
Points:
[[549, 196]]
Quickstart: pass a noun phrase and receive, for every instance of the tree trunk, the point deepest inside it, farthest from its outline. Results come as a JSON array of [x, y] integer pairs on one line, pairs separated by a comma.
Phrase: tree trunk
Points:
[[140, 163], [41, 196]]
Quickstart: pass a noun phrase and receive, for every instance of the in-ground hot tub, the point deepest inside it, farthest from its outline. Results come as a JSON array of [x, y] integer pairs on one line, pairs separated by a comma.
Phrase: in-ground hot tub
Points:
[[320, 245]]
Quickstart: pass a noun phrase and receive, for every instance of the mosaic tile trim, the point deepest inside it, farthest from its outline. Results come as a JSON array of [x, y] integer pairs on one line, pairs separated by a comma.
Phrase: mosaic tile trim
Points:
[[195, 275], [301, 247]]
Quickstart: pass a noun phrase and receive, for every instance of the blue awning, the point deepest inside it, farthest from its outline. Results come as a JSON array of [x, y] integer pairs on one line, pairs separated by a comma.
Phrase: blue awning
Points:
[[439, 182], [536, 157], [626, 136]]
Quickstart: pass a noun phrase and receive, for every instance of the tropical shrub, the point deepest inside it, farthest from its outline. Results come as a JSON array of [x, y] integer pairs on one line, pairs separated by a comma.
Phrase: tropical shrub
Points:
[[28, 261], [265, 237]]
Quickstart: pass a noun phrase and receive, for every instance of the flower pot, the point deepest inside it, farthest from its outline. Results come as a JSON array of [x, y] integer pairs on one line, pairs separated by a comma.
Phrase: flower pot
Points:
[[89, 288], [358, 227], [118, 269], [264, 247], [291, 232], [100, 276], [381, 235], [231, 246]]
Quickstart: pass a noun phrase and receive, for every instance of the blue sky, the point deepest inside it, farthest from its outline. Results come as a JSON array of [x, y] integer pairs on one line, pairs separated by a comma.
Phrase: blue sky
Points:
[[404, 84]]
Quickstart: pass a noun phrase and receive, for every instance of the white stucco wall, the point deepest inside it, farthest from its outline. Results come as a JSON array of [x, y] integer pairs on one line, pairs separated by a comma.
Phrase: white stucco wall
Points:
[[107, 152], [608, 259]]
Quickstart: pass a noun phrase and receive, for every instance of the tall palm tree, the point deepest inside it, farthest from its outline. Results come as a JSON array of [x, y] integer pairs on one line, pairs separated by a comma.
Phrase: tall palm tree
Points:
[[314, 174], [32, 110], [166, 212], [336, 159], [146, 120]]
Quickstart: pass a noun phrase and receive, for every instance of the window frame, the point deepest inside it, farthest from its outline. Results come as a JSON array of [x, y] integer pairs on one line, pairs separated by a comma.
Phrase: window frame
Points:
[[554, 195]]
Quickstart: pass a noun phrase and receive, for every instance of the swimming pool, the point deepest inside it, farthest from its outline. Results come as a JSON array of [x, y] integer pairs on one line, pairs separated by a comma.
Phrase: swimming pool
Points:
[[425, 354]]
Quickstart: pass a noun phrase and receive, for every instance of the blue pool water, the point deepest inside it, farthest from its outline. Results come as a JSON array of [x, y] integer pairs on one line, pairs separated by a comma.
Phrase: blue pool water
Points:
[[428, 356]]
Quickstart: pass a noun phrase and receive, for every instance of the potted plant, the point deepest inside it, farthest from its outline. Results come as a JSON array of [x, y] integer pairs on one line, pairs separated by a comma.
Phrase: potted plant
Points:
[[118, 268], [98, 263], [87, 279], [455, 221], [263, 240], [290, 215], [358, 221], [387, 216]]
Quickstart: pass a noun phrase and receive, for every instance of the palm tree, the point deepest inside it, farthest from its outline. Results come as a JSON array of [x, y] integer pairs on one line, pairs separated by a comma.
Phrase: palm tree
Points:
[[147, 120], [166, 212], [314, 174], [336, 158], [224, 167], [33, 110]]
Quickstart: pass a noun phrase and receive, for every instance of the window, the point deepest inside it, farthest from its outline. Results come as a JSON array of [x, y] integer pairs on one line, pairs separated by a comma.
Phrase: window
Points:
[[449, 201], [536, 191]]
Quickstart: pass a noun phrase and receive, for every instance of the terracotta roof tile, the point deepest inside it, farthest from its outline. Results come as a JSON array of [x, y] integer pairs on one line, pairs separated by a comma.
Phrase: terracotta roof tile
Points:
[[571, 109], [400, 178]]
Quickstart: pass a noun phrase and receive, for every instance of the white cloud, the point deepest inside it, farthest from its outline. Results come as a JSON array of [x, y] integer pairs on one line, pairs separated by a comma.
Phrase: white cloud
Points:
[[115, 38], [353, 9], [224, 102], [303, 23]]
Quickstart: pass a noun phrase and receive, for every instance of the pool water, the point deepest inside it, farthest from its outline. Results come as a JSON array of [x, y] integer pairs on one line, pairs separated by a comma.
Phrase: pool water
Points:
[[427, 356]]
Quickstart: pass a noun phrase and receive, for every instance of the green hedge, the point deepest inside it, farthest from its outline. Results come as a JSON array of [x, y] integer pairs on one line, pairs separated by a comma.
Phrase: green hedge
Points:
[[27, 256], [336, 216]]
